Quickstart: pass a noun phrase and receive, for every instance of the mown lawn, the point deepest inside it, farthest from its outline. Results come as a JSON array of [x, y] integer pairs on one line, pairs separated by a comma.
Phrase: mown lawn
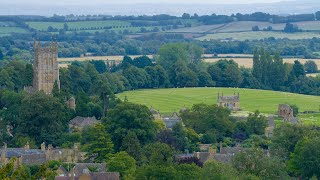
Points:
[[172, 100]]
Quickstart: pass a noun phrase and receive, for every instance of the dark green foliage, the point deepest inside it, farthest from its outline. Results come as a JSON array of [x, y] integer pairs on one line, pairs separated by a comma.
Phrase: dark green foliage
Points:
[[158, 76], [142, 62], [1, 55], [291, 28], [217, 170], [256, 123], [46, 127], [311, 67], [225, 73], [255, 28], [138, 78], [131, 145], [295, 109], [155, 172], [158, 154], [285, 139], [297, 70], [208, 119], [127, 117], [99, 146], [122, 163], [100, 66], [254, 161], [267, 68], [305, 160]]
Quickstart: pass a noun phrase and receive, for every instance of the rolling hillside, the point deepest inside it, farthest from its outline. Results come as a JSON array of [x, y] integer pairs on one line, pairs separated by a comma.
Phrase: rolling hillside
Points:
[[172, 100]]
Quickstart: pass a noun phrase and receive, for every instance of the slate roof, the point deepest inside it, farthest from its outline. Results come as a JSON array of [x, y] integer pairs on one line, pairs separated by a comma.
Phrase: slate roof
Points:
[[81, 167], [83, 121], [170, 121], [18, 152]]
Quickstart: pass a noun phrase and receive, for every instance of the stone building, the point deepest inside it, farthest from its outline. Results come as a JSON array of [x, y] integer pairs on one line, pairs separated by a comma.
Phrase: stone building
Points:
[[25, 155], [230, 102], [286, 112], [78, 123], [45, 68], [82, 171], [170, 121]]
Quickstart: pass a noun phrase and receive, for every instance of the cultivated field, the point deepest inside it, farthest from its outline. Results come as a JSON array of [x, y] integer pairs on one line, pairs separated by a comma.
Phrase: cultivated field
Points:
[[64, 62], [257, 35], [77, 25], [246, 26], [6, 31], [172, 100], [196, 29], [248, 62]]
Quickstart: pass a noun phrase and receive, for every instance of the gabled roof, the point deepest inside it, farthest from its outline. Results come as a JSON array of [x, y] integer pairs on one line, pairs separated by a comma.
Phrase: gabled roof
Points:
[[83, 121]]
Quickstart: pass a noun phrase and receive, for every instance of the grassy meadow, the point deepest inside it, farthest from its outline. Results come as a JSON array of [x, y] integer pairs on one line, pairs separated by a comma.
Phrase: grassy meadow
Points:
[[6, 31], [77, 25], [172, 100], [257, 35]]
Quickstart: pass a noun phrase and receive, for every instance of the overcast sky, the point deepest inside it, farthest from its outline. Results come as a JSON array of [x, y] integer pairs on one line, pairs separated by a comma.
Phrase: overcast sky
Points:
[[139, 1]]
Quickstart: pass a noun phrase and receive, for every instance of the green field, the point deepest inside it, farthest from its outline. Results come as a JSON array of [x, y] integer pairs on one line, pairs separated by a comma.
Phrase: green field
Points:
[[77, 25], [172, 100], [256, 35], [6, 31]]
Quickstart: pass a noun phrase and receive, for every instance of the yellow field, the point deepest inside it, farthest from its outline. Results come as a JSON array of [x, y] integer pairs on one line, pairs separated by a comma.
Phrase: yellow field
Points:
[[65, 62], [247, 62]]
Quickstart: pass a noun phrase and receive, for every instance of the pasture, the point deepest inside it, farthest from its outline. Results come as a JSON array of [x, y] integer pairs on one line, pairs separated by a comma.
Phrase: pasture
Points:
[[258, 35], [77, 25], [6, 31], [168, 101]]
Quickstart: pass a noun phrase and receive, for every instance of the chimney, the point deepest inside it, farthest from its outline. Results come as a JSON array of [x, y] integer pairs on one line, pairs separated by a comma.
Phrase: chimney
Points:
[[3, 153], [43, 146]]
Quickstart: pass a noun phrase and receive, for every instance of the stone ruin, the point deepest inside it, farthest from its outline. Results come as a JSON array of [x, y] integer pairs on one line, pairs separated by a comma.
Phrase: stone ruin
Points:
[[286, 112]]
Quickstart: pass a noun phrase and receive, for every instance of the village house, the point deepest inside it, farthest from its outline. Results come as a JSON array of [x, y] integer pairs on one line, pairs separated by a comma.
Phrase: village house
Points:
[[28, 156]]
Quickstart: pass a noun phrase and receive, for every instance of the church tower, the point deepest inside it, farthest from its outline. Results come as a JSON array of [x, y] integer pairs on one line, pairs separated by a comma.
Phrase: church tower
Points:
[[45, 67]]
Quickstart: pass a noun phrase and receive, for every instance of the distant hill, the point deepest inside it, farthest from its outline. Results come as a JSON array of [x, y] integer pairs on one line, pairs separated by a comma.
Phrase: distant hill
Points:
[[286, 7]]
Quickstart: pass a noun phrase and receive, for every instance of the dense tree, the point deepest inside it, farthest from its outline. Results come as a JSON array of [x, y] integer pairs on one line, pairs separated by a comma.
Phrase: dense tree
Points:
[[156, 172], [122, 163], [45, 127], [217, 170], [1, 55], [158, 154], [127, 117], [131, 145], [99, 145], [208, 118], [285, 139], [138, 78], [100, 66], [254, 161], [225, 73], [291, 28], [305, 160], [311, 67]]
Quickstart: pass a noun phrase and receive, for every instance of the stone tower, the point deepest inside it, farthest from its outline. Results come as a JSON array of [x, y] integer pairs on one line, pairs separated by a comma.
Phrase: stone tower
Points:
[[45, 67]]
